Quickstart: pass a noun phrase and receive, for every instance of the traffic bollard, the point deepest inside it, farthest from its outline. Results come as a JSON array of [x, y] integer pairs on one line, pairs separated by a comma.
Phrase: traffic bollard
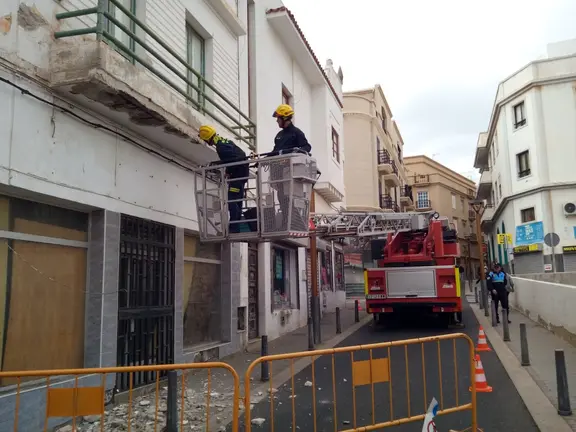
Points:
[[338, 323], [476, 295], [486, 295], [264, 373], [356, 311], [525, 354], [564, 408], [310, 334], [505, 326], [494, 312], [481, 298], [172, 402]]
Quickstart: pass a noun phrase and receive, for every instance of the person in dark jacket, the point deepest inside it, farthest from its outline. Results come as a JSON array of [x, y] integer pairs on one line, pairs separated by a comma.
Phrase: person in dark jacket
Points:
[[237, 175], [290, 139], [498, 281]]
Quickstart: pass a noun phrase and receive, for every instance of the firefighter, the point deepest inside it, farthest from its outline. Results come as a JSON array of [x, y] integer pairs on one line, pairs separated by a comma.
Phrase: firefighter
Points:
[[229, 152], [498, 281], [290, 137]]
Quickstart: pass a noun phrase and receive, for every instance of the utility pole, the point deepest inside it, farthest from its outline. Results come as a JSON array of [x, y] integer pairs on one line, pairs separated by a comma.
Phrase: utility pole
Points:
[[479, 207], [315, 306]]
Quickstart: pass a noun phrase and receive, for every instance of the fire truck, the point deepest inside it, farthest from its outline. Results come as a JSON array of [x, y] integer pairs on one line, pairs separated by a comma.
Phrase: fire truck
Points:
[[417, 271], [417, 274]]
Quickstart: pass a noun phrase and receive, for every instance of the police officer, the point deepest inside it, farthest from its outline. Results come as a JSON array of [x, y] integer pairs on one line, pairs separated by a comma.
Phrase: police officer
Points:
[[228, 152], [497, 280], [289, 137]]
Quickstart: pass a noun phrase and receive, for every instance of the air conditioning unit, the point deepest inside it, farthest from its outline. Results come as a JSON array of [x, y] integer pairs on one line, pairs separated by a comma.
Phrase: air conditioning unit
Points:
[[570, 209]]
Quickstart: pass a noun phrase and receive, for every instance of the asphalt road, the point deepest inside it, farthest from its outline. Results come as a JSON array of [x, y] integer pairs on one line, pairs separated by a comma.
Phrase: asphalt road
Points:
[[501, 410]]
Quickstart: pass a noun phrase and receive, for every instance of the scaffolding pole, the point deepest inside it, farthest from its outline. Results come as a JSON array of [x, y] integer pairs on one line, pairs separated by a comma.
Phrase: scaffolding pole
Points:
[[315, 306]]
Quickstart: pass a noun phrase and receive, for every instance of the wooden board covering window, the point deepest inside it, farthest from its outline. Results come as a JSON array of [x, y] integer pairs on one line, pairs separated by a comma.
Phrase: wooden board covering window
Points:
[[46, 311]]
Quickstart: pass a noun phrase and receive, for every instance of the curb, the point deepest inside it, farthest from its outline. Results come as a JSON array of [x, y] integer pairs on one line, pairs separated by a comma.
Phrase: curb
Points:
[[539, 406]]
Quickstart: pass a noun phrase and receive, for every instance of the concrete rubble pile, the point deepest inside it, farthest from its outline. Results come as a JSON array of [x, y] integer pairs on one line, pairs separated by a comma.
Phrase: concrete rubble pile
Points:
[[144, 413]]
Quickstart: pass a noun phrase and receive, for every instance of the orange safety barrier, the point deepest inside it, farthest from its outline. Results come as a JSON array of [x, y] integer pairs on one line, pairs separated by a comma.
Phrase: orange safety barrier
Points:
[[365, 382], [81, 393]]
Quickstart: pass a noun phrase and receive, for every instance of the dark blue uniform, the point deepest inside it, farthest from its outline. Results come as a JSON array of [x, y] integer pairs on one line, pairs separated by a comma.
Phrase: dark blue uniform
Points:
[[497, 281], [230, 152], [289, 138]]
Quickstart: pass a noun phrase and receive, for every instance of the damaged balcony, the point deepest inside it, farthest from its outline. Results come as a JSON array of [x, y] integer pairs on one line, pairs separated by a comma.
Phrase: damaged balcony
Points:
[[125, 72], [406, 196], [392, 178], [387, 203], [384, 162]]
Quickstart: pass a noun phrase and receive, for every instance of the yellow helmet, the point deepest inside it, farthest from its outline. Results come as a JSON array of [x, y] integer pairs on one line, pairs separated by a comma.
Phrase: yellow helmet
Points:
[[206, 133], [283, 111]]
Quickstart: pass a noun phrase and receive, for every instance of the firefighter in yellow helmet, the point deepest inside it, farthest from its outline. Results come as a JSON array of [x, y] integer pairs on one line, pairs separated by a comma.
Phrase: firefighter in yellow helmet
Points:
[[290, 137], [237, 175]]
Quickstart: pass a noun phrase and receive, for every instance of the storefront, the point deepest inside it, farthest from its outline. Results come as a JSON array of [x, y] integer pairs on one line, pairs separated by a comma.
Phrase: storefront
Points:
[[569, 257], [528, 259]]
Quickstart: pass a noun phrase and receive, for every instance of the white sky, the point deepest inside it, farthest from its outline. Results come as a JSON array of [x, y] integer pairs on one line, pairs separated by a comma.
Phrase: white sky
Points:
[[439, 62]]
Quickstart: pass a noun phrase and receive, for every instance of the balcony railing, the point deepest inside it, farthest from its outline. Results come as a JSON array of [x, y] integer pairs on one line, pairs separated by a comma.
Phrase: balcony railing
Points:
[[388, 203], [423, 204], [422, 178], [406, 191], [471, 193], [190, 84], [384, 157], [471, 215]]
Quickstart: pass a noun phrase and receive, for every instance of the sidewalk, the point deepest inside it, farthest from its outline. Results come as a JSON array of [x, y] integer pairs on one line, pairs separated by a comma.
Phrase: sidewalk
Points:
[[541, 345], [220, 384]]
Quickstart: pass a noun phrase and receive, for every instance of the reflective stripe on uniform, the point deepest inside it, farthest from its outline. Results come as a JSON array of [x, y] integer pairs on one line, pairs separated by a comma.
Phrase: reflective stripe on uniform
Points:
[[233, 189]]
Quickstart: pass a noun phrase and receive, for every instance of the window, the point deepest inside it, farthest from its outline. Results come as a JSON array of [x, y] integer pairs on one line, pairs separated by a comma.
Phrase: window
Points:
[[523, 162], [196, 58], [377, 144], [115, 31], [528, 215], [462, 204], [519, 115], [493, 200], [399, 152], [454, 201], [500, 189], [383, 119], [284, 290], [455, 221], [422, 201], [496, 143], [496, 189], [335, 145]]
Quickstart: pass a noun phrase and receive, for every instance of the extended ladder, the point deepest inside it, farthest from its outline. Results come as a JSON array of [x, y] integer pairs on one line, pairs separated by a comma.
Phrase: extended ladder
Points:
[[367, 224]]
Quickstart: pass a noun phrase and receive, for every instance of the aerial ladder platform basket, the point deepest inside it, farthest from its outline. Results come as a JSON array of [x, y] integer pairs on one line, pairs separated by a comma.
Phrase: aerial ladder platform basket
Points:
[[276, 204]]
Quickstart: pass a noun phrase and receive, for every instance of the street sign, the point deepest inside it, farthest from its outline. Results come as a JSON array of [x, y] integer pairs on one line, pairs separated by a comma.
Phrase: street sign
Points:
[[484, 248], [547, 267], [551, 239], [505, 238]]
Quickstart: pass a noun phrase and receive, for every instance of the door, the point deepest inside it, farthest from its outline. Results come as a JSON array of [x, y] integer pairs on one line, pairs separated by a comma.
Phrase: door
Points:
[[145, 298], [252, 291]]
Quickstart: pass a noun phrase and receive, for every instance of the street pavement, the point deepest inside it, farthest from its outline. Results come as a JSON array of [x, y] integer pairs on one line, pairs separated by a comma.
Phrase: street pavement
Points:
[[501, 410]]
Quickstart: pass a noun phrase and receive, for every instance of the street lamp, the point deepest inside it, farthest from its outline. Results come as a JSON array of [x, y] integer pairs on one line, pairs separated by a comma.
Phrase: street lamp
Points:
[[478, 206]]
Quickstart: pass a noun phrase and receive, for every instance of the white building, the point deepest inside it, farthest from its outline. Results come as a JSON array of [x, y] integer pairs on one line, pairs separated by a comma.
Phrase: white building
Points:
[[98, 235], [527, 159], [285, 70]]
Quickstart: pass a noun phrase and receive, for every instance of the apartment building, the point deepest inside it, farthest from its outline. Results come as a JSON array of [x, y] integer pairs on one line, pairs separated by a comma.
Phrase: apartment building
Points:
[[286, 70], [101, 260], [374, 174], [526, 159], [437, 187]]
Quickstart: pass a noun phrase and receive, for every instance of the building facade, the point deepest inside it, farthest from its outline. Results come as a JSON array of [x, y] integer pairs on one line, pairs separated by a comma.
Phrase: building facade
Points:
[[99, 238], [436, 187], [526, 160], [284, 69], [374, 174]]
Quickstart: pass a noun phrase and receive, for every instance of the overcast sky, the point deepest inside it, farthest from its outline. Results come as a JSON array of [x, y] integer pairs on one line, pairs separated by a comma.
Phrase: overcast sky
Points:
[[439, 62]]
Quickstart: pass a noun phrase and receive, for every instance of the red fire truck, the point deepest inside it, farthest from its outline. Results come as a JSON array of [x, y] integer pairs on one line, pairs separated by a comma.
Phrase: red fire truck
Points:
[[417, 274]]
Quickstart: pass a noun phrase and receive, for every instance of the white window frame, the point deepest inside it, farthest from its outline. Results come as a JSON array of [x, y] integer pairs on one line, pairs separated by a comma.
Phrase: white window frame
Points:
[[454, 201], [422, 197]]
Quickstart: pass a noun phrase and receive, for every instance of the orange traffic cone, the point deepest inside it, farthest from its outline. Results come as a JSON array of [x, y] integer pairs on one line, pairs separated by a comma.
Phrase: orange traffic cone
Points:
[[481, 384], [482, 343]]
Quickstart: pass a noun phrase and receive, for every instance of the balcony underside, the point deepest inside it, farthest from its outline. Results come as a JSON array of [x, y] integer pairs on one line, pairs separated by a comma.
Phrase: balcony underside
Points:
[[329, 192], [484, 190], [385, 168], [97, 77], [406, 200], [392, 179]]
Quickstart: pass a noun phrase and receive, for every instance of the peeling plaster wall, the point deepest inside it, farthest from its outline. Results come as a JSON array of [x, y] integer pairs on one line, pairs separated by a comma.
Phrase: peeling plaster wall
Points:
[[549, 304]]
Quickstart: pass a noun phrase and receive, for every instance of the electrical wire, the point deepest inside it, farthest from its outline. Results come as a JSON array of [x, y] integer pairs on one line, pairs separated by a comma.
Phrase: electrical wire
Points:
[[95, 125]]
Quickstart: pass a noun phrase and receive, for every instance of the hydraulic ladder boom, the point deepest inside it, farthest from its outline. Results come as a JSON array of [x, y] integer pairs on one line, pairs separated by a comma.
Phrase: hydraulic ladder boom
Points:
[[367, 224]]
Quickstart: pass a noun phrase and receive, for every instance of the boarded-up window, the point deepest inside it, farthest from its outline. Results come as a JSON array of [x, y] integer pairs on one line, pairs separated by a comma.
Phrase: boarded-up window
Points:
[[42, 286], [201, 292]]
